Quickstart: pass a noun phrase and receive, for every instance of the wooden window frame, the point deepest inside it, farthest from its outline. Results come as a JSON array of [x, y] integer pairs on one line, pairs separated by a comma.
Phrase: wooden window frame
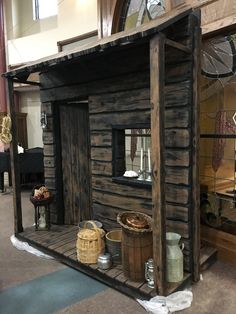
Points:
[[62, 43], [118, 155]]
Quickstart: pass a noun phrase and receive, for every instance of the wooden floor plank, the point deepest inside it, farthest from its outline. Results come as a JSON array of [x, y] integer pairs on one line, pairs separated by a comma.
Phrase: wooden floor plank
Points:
[[54, 238], [66, 247], [71, 252], [113, 272], [73, 257], [71, 237], [61, 243]]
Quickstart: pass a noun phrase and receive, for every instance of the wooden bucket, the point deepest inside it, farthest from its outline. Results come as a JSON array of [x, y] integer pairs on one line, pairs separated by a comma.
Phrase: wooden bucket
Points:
[[137, 248], [113, 244]]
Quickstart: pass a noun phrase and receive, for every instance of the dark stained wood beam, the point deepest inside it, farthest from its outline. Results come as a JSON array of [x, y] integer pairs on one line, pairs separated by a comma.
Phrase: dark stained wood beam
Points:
[[14, 161], [157, 79], [195, 150], [26, 82], [178, 46]]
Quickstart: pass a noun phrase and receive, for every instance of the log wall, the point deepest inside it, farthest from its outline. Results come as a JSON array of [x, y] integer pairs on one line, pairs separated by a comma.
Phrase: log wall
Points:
[[117, 87]]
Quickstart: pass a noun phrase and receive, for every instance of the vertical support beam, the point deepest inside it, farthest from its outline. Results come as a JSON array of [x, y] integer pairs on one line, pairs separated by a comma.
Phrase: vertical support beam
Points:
[[157, 79], [14, 161], [195, 148], [3, 97]]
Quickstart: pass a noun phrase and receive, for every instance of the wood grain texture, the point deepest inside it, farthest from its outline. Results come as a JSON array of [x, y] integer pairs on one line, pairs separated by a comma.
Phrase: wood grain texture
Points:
[[101, 139], [195, 148], [122, 202], [157, 78], [137, 99], [177, 175], [75, 162], [101, 168], [178, 94], [176, 212], [107, 121], [177, 158], [177, 194], [105, 184], [15, 173], [179, 138]]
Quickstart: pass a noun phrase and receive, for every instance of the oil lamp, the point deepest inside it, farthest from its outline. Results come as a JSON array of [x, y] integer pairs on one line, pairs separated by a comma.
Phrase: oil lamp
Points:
[[149, 273]]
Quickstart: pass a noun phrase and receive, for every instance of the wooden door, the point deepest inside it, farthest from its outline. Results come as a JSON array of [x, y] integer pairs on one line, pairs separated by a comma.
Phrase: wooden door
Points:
[[75, 151]]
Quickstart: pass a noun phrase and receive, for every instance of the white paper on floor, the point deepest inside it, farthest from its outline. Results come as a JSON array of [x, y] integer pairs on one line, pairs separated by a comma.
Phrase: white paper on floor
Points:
[[176, 301], [24, 246]]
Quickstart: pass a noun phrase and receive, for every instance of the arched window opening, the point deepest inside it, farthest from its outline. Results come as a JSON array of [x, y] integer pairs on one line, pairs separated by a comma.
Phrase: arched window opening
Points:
[[137, 12]]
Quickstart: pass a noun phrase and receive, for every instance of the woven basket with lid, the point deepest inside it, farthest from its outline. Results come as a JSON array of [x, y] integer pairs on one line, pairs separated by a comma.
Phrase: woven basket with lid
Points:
[[90, 243]]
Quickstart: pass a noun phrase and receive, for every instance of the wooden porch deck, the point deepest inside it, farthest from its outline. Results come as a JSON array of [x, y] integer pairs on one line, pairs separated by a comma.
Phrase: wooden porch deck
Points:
[[60, 243]]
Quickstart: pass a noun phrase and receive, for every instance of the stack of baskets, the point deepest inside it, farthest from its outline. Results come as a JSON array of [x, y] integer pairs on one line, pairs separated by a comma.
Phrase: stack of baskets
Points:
[[90, 243]]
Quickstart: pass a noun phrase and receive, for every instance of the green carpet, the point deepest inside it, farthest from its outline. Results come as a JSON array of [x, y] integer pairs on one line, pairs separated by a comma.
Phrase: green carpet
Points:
[[49, 293]]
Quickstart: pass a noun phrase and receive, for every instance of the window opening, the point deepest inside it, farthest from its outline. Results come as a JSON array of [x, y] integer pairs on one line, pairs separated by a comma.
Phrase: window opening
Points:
[[44, 8], [132, 154], [137, 12]]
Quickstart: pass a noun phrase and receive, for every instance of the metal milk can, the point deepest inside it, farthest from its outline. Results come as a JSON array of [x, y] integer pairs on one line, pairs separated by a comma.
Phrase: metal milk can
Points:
[[174, 257]]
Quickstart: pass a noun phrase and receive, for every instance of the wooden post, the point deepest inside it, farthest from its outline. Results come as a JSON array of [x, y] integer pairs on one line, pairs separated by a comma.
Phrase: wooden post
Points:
[[3, 102], [195, 148], [157, 79], [14, 161]]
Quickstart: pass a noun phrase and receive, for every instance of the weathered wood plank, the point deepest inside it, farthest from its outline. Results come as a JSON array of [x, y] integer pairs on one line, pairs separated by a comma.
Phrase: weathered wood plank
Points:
[[106, 213], [177, 46], [177, 175], [177, 194], [50, 172], [106, 185], [122, 202], [157, 78], [51, 183], [177, 118], [128, 60], [49, 161], [177, 212], [195, 145], [178, 94], [54, 237], [121, 101], [179, 227], [107, 121], [177, 158], [178, 72], [101, 168], [68, 246], [14, 160], [48, 137], [177, 138], [75, 162], [114, 84], [49, 149], [102, 154], [101, 138]]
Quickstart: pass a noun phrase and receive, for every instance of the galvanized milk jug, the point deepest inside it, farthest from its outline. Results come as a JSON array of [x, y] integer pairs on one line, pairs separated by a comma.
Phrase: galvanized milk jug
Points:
[[174, 257]]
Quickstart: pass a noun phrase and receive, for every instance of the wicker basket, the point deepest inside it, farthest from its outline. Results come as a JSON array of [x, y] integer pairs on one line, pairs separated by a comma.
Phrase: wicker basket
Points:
[[90, 243]]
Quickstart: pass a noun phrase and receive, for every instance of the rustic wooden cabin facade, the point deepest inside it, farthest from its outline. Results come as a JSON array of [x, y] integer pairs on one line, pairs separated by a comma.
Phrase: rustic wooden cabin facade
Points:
[[148, 78]]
